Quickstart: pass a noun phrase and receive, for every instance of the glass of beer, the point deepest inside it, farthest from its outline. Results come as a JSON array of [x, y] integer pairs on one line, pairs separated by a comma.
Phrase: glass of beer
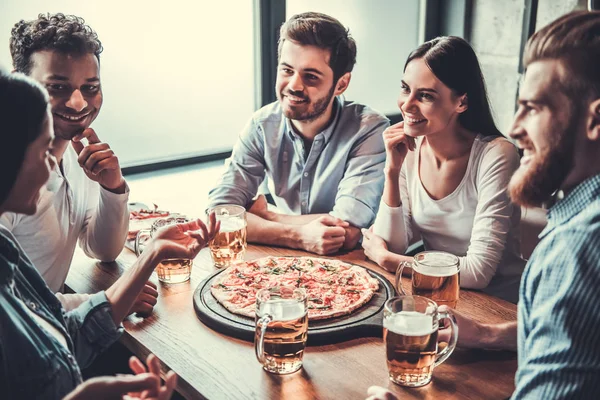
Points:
[[229, 245], [410, 334], [434, 275], [172, 270], [281, 328]]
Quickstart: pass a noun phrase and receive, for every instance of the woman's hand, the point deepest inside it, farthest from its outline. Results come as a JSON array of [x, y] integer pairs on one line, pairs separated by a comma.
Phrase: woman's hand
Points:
[[113, 387], [145, 384], [379, 393], [374, 246], [159, 392], [397, 146], [184, 240]]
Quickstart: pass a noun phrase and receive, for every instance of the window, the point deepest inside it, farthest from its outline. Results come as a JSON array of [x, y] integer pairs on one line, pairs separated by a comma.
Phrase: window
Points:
[[177, 76], [385, 34]]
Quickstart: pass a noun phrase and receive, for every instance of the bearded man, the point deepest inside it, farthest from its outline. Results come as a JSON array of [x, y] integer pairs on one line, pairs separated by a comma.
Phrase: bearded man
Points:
[[322, 156]]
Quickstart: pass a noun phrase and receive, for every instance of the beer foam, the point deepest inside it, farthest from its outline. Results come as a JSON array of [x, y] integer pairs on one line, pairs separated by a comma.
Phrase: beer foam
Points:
[[409, 323], [436, 264], [283, 310], [232, 225], [437, 271]]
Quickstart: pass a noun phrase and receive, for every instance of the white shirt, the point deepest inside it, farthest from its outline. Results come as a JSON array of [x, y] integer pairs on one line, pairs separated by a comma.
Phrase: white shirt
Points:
[[71, 207], [476, 222]]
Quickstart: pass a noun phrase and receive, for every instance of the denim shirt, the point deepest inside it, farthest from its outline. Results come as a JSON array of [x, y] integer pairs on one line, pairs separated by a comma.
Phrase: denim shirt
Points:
[[342, 174], [33, 363]]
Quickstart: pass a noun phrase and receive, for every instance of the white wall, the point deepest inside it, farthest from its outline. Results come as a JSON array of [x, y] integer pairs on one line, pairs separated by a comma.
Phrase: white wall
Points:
[[386, 31], [177, 76]]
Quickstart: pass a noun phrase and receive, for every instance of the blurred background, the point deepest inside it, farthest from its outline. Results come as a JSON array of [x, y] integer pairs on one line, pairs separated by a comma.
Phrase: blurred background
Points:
[[181, 78]]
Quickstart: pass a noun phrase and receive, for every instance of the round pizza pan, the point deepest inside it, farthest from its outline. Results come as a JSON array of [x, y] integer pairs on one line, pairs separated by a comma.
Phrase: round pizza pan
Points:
[[366, 321]]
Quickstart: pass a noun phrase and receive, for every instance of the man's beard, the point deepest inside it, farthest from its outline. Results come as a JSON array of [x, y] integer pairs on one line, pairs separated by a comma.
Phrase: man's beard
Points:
[[538, 181], [319, 107]]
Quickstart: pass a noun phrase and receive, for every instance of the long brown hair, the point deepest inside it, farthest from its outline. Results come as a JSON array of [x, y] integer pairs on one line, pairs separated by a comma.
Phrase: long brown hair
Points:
[[453, 61]]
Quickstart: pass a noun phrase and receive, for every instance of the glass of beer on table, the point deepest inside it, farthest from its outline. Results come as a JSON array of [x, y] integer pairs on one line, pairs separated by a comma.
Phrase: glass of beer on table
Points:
[[410, 334], [434, 275], [281, 328], [172, 270], [229, 245]]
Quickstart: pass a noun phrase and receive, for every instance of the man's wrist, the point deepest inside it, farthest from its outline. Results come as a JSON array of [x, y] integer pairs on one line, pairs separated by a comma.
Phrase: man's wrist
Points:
[[496, 336], [118, 189], [294, 236], [273, 216]]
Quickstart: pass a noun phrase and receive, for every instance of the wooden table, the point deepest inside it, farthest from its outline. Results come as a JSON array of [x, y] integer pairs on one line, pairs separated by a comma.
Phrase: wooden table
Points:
[[214, 366]]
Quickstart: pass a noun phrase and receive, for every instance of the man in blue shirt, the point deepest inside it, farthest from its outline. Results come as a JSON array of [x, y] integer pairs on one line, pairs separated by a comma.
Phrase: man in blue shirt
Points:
[[558, 127], [322, 156]]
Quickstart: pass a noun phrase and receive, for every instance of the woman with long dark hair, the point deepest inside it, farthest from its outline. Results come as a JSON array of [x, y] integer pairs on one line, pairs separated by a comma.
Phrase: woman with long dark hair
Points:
[[41, 345], [446, 173]]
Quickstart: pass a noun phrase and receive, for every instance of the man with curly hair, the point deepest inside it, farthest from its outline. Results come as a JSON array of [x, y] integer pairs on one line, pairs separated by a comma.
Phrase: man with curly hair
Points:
[[323, 156], [86, 196]]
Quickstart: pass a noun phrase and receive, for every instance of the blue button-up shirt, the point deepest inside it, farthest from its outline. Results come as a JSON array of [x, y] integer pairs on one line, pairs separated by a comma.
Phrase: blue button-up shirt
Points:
[[341, 175], [559, 306], [33, 363]]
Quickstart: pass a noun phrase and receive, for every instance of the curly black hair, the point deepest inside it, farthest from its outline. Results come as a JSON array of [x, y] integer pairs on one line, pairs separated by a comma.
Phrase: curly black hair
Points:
[[64, 33]]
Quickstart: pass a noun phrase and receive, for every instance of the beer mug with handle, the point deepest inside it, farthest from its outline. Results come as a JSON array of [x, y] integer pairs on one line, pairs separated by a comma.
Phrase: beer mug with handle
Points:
[[173, 270], [281, 328], [229, 245], [434, 275], [410, 334]]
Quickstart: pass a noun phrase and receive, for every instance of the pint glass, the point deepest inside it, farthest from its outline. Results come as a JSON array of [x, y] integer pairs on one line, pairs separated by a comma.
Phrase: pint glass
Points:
[[434, 275], [281, 329], [229, 245], [172, 270], [410, 333]]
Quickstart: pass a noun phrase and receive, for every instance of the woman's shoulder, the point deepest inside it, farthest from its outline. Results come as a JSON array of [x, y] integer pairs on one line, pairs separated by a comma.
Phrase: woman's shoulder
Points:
[[495, 154], [492, 147]]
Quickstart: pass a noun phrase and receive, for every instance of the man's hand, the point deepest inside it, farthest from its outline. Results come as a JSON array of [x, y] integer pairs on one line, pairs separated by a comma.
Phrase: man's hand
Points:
[[145, 301], [379, 393], [324, 235], [475, 335], [375, 247], [99, 162]]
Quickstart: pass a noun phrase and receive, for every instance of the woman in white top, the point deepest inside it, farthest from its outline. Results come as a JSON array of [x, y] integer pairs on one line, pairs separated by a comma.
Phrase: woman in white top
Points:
[[446, 173]]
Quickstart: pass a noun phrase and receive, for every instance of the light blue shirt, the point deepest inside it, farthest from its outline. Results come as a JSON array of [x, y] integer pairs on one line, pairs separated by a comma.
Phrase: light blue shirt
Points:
[[559, 306], [341, 175]]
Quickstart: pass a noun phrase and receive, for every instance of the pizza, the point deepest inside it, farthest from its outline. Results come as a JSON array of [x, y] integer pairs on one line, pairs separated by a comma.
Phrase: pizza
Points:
[[142, 218], [333, 287]]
